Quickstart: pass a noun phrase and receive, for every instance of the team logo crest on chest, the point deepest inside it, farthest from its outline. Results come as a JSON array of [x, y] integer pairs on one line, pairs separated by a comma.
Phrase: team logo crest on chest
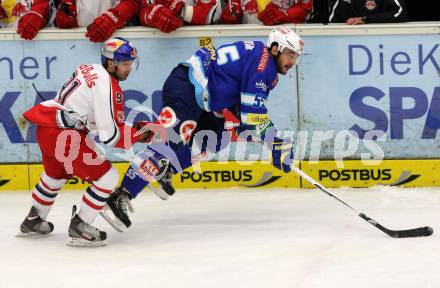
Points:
[[370, 4]]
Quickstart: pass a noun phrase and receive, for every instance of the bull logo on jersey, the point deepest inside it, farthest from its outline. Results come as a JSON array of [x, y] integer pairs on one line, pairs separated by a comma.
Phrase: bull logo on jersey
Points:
[[370, 4], [186, 129], [120, 117]]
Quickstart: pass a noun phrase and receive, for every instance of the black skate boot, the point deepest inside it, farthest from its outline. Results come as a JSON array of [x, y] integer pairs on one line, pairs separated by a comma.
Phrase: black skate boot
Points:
[[119, 204], [164, 179], [33, 224], [83, 234]]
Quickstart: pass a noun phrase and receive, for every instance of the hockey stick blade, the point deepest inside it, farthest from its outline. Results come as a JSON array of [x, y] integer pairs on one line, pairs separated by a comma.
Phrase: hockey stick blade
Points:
[[415, 232]]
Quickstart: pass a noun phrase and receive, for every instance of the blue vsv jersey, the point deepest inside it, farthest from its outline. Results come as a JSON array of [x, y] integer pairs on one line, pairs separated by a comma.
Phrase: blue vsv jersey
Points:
[[241, 73]]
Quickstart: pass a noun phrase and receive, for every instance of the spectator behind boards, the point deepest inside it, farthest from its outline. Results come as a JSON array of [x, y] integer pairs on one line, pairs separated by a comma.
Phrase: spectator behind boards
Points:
[[354, 12], [266, 12], [12, 10], [101, 17], [169, 15]]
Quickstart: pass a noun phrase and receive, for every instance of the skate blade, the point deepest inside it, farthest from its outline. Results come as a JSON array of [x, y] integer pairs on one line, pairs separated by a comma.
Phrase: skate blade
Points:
[[114, 222], [159, 192], [77, 242], [30, 235]]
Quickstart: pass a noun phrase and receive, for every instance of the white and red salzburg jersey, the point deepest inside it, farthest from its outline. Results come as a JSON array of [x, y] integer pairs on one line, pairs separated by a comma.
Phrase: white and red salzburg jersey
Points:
[[97, 98]]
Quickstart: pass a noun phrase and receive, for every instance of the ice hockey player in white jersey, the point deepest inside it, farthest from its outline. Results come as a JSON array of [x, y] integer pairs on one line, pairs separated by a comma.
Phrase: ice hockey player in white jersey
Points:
[[91, 102]]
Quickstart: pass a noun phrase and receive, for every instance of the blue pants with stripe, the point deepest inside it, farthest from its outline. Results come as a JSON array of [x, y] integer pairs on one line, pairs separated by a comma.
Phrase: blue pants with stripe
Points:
[[178, 94]]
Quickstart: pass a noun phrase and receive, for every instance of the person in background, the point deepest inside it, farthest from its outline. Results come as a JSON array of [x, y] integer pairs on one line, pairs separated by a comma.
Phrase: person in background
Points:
[[12, 10], [354, 12], [6, 19], [169, 15], [267, 12], [101, 17], [320, 12]]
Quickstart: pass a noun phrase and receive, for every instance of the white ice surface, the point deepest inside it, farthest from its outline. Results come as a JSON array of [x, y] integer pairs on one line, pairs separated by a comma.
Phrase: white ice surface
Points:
[[234, 238]]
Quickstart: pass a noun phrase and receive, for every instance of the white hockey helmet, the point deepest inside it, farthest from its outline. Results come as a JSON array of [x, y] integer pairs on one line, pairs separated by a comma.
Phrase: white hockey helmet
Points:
[[286, 38]]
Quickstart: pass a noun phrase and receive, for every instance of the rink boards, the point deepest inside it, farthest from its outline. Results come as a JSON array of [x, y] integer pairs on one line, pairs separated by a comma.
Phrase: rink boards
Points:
[[253, 175]]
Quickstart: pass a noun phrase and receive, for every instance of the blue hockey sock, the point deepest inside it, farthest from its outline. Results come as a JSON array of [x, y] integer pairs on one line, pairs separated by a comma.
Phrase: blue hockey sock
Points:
[[134, 184]]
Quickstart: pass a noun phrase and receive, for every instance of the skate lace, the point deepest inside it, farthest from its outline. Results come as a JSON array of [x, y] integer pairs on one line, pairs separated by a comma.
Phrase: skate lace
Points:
[[90, 230], [123, 203], [167, 178]]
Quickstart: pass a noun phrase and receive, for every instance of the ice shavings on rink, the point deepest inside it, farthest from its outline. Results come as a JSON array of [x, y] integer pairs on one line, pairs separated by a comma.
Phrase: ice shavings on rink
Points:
[[234, 238]]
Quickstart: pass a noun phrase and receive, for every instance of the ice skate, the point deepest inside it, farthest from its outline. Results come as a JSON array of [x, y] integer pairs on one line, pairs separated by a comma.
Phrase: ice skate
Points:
[[34, 225], [165, 182], [119, 204], [83, 234]]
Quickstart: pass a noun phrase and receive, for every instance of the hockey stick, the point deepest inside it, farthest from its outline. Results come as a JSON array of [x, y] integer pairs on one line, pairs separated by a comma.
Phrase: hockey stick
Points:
[[416, 232], [38, 93]]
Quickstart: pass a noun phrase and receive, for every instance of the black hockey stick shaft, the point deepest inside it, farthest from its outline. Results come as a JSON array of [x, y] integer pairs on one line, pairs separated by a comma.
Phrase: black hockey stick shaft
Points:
[[38, 93], [416, 232]]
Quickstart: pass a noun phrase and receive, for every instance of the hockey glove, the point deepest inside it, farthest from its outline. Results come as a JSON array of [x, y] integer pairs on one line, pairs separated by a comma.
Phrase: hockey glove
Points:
[[174, 5], [30, 24], [202, 13], [145, 134], [273, 15], [233, 12], [282, 154], [103, 27], [160, 17], [66, 15]]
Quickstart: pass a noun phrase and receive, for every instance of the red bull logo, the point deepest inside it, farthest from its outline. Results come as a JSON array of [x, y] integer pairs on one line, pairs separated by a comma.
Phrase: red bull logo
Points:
[[112, 45], [115, 44]]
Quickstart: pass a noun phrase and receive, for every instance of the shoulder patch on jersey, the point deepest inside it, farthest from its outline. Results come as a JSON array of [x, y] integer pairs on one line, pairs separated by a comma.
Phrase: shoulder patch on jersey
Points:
[[261, 85], [120, 117], [264, 59], [370, 4]]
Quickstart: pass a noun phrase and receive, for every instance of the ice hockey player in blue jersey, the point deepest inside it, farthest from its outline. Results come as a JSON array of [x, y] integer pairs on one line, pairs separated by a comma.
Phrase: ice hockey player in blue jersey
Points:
[[237, 77]]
